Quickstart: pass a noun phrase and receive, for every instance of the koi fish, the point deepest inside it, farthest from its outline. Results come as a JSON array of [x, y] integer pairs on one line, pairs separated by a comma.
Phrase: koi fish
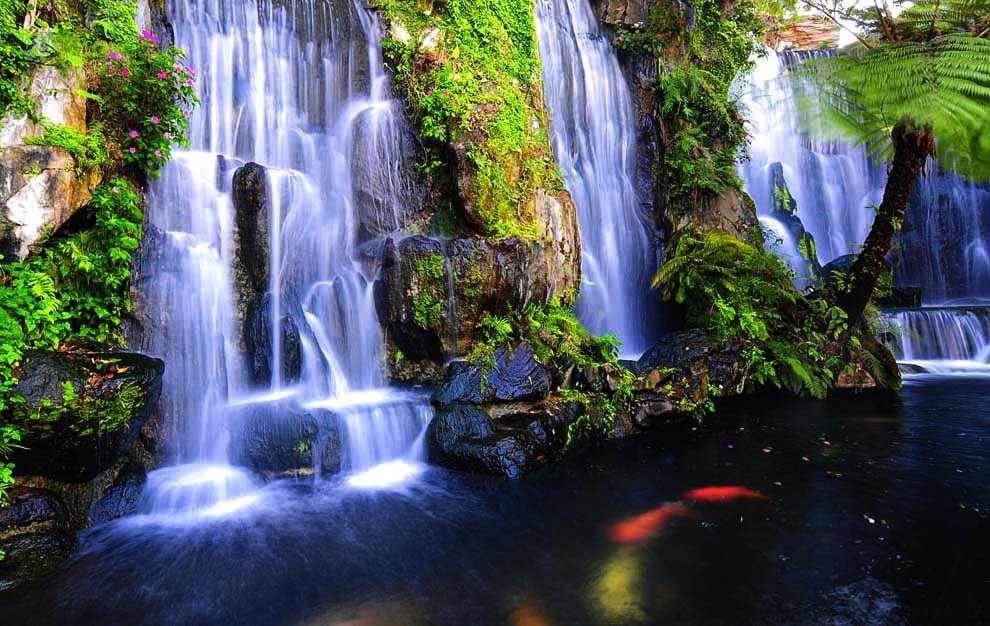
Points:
[[643, 526], [722, 494]]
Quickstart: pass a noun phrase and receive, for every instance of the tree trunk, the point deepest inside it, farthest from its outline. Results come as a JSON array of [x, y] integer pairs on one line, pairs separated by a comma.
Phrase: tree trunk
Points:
[[912, 146]]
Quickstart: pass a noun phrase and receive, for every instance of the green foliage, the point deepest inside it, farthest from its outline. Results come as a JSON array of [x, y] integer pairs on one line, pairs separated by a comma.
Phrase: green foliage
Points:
[[701, 51], [89, 149], [427, 303], [147, 96], [929, 66], [81, 414], [558, 340], [735, 290], [16, 56], [481, 85]]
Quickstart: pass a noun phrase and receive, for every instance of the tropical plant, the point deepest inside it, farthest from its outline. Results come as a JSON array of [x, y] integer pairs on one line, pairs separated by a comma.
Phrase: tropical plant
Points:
[[916, 85]]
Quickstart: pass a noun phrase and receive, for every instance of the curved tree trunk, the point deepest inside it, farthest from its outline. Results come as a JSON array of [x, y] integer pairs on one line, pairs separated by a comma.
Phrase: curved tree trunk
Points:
[[912, 146]]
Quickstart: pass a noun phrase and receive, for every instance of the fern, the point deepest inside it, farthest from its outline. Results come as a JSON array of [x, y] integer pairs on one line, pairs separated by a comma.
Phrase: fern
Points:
[[935, 71]]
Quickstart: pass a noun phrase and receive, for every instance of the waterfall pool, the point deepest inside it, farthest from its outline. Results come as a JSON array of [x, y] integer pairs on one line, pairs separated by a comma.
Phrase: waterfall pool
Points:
[[877, 512]]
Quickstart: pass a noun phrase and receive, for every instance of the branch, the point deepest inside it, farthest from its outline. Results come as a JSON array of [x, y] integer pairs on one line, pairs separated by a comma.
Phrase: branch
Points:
[[31, 15], [883, 21]]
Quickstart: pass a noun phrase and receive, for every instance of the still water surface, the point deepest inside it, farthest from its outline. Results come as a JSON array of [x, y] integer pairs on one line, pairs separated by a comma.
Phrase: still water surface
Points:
[[877, 512]]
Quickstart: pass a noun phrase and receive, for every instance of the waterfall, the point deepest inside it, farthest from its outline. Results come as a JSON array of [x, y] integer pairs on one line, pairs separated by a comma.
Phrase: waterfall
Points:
[[944, 247], [297, 86], [943, 339], [594, 142]]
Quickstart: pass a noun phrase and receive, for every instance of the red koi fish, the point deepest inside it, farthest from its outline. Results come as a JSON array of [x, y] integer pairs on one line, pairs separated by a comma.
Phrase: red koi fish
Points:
[[643, 526], [722, 494]]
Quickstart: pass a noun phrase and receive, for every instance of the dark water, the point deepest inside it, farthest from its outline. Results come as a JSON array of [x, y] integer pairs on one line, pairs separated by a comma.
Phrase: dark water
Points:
[[886, 522]]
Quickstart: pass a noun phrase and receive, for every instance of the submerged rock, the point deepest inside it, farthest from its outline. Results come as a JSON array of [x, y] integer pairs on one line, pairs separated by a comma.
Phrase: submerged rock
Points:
[[279, 439]]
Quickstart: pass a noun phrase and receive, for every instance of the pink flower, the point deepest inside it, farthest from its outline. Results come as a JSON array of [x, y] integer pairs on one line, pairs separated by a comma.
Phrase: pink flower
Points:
[[189, 83], [133, 134], [123, 71], [162, 75], [186, 113], [109, 63], [154, 119], [158, 153], [168, 135], [116, 55], [115, 190], [133, 149], [112, 71], [147, 36]]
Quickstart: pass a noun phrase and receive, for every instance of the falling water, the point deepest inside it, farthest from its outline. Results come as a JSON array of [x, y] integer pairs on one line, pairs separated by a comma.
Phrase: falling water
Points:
[[944, 247], [594, 141], [298, 87], [943, 339]]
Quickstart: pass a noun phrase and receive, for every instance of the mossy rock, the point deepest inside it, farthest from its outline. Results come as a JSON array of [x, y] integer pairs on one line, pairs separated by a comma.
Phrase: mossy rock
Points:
[[81, 411]]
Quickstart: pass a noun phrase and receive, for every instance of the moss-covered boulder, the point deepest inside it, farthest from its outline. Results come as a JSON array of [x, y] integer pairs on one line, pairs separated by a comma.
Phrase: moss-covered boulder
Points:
[[81, 411]]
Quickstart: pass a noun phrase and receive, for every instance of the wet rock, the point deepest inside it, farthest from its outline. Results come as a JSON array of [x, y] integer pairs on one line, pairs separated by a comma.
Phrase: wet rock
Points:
[[464, 437], [784, 210], [732, 212], [82, 411], [691, 353], [432, 297], [35, 533], [385, 191], [279, 439], [252, 228], [409, 284], [257, 339], [516, 376], [32, 555]]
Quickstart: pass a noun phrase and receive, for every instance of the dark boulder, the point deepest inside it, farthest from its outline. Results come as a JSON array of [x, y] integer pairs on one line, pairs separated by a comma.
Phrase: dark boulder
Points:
[[282, 439], [82, 411], [410, 297], [35, 534], [464, 437], [252, 223], [257, 339], [515, 376]]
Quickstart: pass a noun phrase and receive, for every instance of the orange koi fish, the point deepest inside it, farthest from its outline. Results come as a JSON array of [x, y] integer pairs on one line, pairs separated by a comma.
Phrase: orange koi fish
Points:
[[643, 526], [722, 494]]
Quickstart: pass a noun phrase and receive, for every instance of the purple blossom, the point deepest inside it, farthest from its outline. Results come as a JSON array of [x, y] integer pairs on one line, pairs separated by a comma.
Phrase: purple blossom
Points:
[[158, 153], [147, 36], [185, 112], [132, 149], [124, 72], [154, 119], [116, 55], [168, 135], [162, 75], [133, 134], [109, 63]]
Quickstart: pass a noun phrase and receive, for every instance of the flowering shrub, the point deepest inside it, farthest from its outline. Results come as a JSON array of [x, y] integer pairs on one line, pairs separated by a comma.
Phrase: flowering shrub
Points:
[[148, 93]]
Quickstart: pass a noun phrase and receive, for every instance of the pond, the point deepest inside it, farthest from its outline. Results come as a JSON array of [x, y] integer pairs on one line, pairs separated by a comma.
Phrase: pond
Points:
[[857, 510]]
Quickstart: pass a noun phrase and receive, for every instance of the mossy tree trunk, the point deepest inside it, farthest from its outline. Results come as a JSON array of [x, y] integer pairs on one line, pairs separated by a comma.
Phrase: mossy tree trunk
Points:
[[912, 146]]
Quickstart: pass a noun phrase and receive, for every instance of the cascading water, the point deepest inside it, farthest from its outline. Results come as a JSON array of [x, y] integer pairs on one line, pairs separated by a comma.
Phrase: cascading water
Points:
[[946, 339], [594, 141], [944, 247], [299, 88]]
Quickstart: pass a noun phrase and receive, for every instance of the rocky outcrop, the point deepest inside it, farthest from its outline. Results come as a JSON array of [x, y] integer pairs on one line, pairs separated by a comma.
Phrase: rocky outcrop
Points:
[[40, 186], [624, 12], [812, 32], [515, 376], [252, 226], [465, 437], [257, 337], [515, 416], [432, 295], [784, 209], [81, 411], [87, 449]]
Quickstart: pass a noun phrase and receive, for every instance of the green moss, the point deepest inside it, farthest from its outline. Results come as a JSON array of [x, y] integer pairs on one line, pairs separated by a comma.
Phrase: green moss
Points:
[[427, 303], [89, 149], [480, 86], [81, 414]]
